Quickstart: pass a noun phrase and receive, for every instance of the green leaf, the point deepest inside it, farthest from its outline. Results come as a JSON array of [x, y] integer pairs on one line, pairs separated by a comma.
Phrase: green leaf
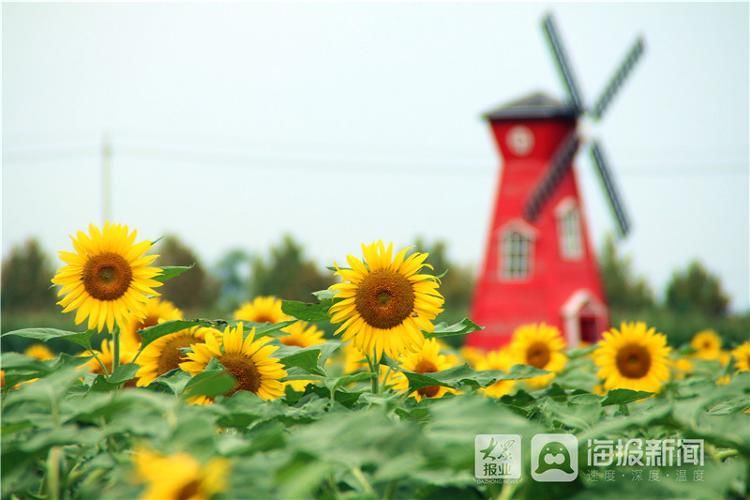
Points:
[[624, 396], [101, 384], [334, 383], [735, 405], [580, 352], [152, 333], [686, 350], [123, 373], [306, 311], [265, 329], [323, 295], [82, 339], [341, 395], [466, 376], [65, 361], [175, 380], [48, 390], [334, 269], [306, 359], [10, 361], [212, 381], [462, 327], [169, 272]]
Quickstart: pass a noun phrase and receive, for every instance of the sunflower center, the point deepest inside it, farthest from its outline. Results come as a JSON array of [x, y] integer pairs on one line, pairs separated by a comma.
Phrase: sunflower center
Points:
[[243, 370], [263, 318], [425, 366], [189, 491], [384, 299], [537, 355], [633, 361], [171, 355], [107, 276]]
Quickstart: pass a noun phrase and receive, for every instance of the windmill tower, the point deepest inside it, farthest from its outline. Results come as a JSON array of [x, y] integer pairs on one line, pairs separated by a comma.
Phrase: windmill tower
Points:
[[539, 264]]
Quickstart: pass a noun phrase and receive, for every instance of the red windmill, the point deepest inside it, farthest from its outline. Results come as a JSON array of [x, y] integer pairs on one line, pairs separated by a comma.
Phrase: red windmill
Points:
[[539, 264]]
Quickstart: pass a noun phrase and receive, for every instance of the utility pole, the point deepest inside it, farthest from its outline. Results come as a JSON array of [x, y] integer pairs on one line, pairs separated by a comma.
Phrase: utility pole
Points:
[[106, 179]]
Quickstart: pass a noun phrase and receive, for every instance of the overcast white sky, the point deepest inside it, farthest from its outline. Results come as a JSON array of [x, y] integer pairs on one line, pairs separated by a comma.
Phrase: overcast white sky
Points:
[[342, 123]]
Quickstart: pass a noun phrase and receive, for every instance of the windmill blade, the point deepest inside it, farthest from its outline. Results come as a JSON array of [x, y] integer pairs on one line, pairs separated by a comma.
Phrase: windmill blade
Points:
[[615, 83], [560, 163], [597, 155], [561, 59]]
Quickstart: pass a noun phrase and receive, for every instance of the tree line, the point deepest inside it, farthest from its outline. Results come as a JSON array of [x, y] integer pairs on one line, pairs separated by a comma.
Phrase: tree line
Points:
[[693, 299]]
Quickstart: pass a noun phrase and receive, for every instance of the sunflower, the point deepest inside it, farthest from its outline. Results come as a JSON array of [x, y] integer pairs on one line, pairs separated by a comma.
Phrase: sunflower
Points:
[[261, 310], [541, 346], [394, 380], [156, 311], [302, 334], [742, 357], [707, 344], [354, 360], [108, 277], [166, 353], [200, 401], [39, 351], [385, 302], [682, 367], [497, 360], [427, 360], [106, 355], [634, 357], [248, 360], [472, 355], [179, 476], [724, 357]]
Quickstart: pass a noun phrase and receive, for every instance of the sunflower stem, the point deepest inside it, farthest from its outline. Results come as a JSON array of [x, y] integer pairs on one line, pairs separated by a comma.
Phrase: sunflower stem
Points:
[[373, 375], [375, 370], [362, 480], [53, 473], [105, 371], [116, 350]]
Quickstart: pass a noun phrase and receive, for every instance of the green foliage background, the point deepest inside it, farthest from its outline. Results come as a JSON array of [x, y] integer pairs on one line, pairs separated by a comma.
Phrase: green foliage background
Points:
[[72, 434]]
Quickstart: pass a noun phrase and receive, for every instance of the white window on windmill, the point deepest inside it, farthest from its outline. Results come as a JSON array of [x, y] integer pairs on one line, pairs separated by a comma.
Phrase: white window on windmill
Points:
[[516, 251], [569, 229]]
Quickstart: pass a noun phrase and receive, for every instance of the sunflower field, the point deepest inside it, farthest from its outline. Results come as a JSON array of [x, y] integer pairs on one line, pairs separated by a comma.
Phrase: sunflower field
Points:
[[353, 394]]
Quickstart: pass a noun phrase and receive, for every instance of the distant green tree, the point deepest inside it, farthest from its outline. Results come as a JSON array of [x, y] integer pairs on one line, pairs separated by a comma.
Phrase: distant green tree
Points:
[[192, 290], [624, 290], [287, 273], [232, 271], [696, 289], [457, 286], [26, 286]]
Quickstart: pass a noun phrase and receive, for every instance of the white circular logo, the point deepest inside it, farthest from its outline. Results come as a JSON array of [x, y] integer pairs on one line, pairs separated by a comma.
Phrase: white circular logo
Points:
[[520, 140]]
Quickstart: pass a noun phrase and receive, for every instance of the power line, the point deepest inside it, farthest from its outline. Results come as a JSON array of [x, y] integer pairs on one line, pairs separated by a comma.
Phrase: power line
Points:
[[303, 161]]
